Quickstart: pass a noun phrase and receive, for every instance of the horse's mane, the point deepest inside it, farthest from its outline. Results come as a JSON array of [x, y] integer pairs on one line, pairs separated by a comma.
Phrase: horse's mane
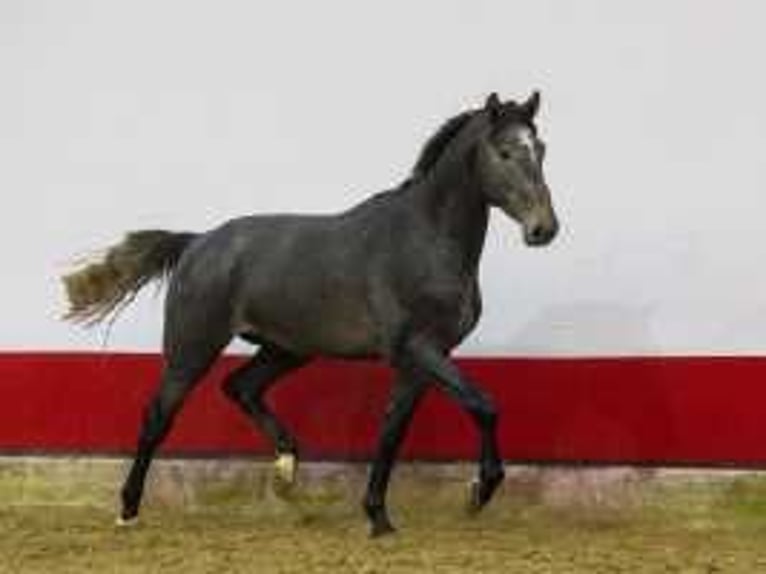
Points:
[[437, 143]]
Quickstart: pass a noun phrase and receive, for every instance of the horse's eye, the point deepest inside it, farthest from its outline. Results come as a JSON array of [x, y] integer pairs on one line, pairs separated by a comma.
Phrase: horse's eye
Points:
[[504, 154]]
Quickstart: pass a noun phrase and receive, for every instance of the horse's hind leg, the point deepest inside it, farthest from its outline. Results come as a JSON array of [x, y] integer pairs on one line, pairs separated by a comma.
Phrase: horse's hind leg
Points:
[[178, 378], [247, 385]]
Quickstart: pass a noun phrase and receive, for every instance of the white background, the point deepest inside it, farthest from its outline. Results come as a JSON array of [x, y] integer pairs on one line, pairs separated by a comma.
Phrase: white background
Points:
[[126, 115]]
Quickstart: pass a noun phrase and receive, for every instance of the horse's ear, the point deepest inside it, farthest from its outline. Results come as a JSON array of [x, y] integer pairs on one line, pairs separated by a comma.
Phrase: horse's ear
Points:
[[529, 108], [493, 105]]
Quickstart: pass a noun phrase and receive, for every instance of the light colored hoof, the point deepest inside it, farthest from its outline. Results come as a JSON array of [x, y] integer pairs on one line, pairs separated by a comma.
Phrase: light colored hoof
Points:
[[126, 522], [286, 467], [472, 500]]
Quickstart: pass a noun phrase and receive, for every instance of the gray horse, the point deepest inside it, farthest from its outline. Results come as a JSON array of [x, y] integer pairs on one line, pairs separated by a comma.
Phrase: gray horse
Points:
[[394, 277]]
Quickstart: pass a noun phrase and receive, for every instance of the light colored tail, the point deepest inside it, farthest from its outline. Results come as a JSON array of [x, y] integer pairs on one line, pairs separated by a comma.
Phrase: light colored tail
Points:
[[103, 287]]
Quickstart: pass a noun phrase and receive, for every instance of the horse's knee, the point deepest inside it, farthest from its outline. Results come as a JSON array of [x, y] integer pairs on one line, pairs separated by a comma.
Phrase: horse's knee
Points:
[[490, 414], [483, 410]]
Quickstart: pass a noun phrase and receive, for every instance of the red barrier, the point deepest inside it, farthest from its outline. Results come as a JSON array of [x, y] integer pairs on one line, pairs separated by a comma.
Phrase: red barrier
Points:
[[700, 410]]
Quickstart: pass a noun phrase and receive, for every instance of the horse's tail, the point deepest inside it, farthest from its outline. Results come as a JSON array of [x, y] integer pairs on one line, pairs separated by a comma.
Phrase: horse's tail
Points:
[[105, 286]]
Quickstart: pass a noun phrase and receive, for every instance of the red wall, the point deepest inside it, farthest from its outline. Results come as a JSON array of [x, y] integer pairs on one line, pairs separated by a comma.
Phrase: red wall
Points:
[[699, 410]]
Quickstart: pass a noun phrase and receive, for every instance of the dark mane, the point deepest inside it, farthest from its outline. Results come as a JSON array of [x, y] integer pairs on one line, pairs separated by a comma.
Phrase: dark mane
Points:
[[437, 143]]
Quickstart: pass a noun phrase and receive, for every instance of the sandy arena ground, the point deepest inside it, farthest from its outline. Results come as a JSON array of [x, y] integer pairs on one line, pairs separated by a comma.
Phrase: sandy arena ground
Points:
[[686, 526]]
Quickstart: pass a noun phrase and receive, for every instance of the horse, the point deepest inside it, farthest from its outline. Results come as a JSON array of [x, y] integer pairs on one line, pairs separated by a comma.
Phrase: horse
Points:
[[393, 278]]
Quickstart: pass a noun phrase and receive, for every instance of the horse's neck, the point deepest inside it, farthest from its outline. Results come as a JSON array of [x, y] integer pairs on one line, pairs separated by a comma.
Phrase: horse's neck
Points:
[[454, 207]]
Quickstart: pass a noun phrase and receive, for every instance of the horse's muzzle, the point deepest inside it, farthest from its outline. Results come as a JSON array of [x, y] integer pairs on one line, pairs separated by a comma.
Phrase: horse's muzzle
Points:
[[540, 234]]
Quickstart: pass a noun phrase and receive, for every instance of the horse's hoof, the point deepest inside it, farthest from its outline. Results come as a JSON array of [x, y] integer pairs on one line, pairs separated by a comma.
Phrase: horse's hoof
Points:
[[285, 471], [286, 467], [126, 522], [382, 528], [474, 503], [480, 493]]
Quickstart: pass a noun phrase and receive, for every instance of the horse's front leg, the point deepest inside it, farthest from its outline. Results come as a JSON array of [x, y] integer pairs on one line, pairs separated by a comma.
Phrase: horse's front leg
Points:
[[405, 396], [436, 364]]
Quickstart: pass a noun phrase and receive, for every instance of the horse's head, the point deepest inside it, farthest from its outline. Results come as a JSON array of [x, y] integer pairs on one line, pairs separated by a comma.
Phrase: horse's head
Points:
[[510, 167]]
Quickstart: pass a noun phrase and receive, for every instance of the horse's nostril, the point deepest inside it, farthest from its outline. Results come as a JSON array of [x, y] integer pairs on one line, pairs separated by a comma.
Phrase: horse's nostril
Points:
[[537, 233], [540, 234]]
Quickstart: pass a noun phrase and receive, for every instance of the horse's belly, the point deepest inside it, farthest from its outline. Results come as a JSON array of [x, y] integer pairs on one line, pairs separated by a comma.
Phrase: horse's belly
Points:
[[339, 336], [328, 329]]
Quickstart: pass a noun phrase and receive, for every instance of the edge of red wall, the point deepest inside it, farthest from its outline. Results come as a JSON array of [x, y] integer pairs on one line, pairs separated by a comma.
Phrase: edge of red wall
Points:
[[635, 410]]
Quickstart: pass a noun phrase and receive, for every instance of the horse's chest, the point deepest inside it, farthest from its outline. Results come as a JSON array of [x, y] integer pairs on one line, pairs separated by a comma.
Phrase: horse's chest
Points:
[[449, 313]]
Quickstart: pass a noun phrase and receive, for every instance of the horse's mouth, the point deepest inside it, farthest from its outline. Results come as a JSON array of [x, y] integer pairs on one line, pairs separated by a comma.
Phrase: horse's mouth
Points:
[[540, 235]]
